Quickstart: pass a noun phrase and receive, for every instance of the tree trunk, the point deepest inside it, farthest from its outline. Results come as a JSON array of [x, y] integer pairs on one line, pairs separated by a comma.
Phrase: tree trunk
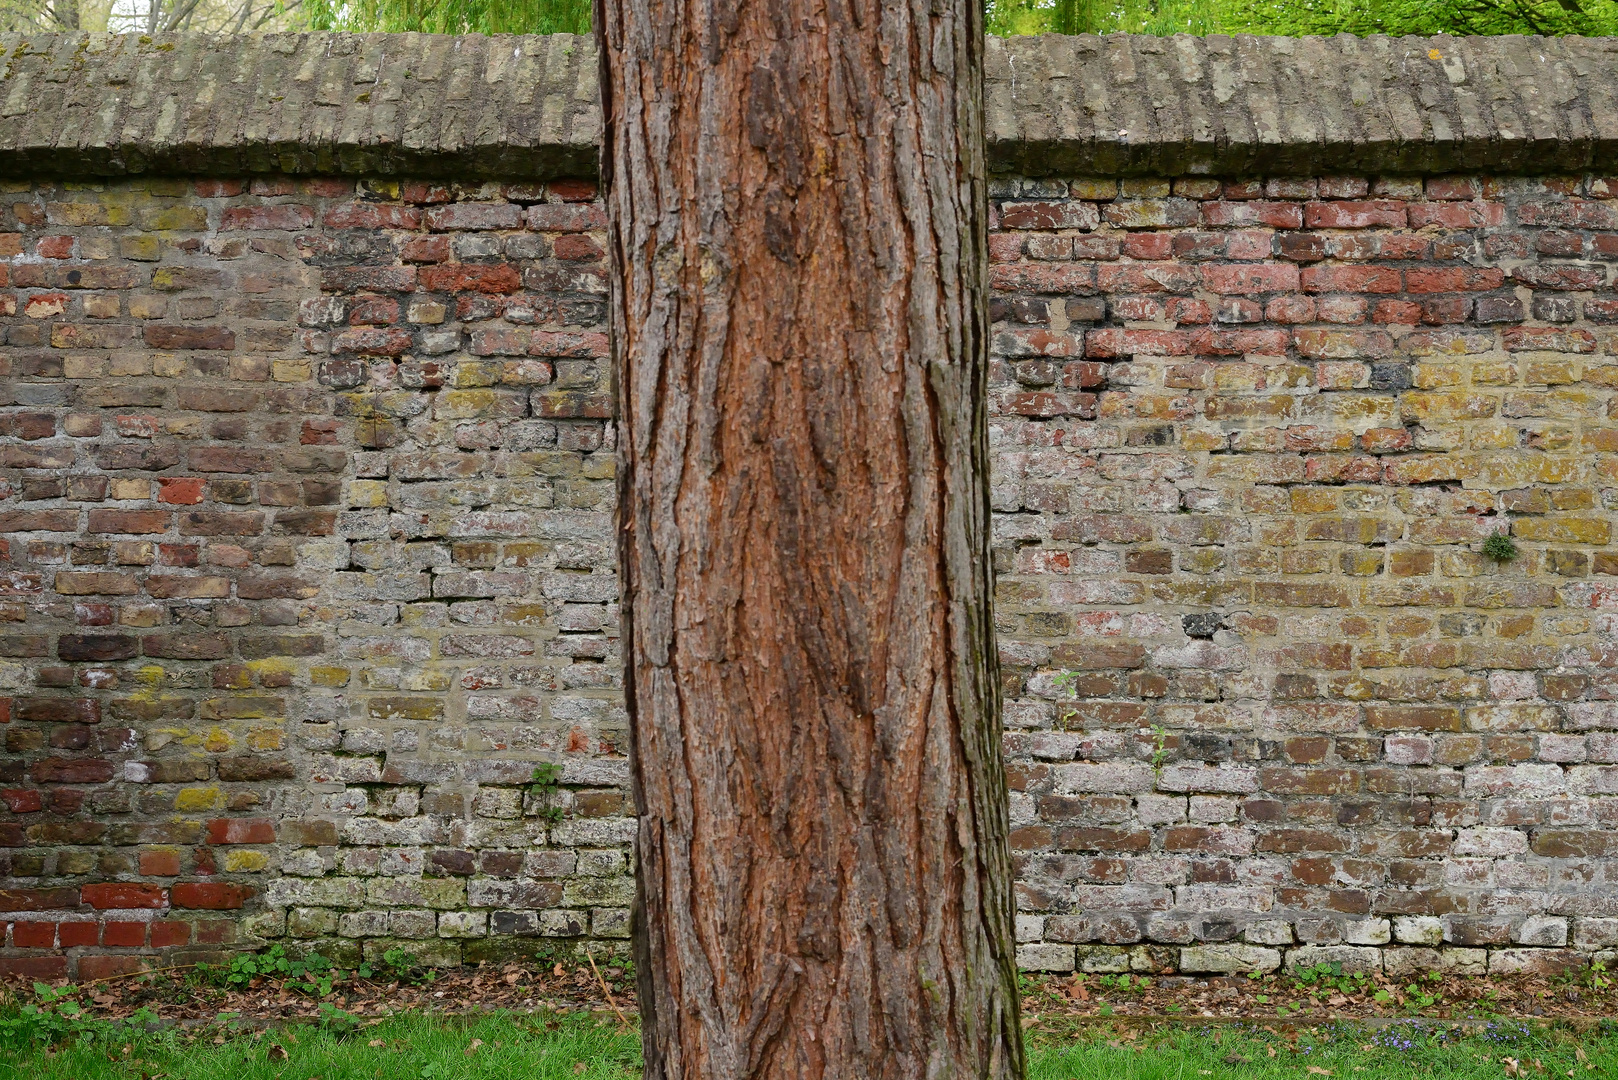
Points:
[[796, 205]]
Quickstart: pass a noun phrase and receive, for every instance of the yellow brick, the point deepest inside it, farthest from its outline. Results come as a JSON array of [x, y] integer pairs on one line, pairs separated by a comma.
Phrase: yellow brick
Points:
[[142, 615], [1447, 405], [290, 370], [1195, 439], [329, 676], [217, 741], [1496, 373], [1143, 188], [266, 738], [274, 666], [147, 306], [368, 493], [170, 366], [1086, 188], [141, 247], [175, 219], [1202, 560], [473, 373], [1430, 376], [84, 366], [427, 679], [130, 489], [1313, 500], [1491, 436], [131, 365], [250, 368], [238, 861], [1566, 530], [1551, 372], [197, 800], [427, 312], [101, 305], [1238, 376]]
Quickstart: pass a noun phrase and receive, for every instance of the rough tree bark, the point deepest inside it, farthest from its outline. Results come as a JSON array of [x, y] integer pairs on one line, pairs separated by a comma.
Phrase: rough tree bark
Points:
[[796, 205]]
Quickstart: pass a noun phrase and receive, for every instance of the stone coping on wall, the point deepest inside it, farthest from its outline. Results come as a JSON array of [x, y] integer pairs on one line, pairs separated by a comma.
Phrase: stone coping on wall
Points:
[[507, 107]]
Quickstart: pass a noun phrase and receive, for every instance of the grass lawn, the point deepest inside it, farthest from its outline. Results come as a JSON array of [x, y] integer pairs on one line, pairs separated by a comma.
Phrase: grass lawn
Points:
[[541, 1046]]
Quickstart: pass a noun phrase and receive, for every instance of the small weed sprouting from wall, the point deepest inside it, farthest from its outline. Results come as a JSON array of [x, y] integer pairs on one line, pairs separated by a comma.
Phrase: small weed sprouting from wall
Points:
[[1500, 547]]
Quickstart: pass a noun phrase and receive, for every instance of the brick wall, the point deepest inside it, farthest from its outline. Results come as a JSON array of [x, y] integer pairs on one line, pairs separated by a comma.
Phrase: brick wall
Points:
[[306, 510], [306, 496], [1264, 689]]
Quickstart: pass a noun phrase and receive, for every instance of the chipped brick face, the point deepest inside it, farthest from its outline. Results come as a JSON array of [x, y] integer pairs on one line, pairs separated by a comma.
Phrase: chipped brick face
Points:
[[307, 498], [305, 505]]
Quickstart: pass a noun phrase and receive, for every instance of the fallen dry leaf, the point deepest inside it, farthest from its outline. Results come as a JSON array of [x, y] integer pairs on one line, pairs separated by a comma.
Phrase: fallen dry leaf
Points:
[[377, 1042], [277, 1052], [473, 1047], [1513, 1066], [1316, 1070]]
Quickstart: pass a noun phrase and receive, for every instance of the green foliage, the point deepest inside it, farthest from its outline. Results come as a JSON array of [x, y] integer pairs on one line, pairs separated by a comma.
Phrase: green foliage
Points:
[[1325, 977], [314, 974], [582, 1046], [1125, 983], [396, 966], [1500, 547], [547, 780], [56, 1017], [452, 16], [1298, 17]]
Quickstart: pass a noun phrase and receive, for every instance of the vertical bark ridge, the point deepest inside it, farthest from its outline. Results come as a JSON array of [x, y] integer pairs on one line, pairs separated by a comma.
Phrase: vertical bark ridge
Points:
[[797, 212]]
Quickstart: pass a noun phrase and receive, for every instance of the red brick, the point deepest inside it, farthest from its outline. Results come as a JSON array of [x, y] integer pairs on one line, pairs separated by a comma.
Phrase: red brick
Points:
[[54, 247], [92, 968], [1545, 338], [216, 338], [22, 800], [71, 771], [566, 344], [474, 216], [1276, 215], [122, 895], [241, 831], [168, 934], [183, 490], [74, 934], [366, 215], [425, 249], [33, 935], [374, 341], [135, 522], [126, 935], [159, 863], [463, 277], [576, 248], [285, 216], [1355, 215], [558, 217], [420, 191], [210, 896], [1453, 279], [35, 967], [573, 190], [1371, 279]]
